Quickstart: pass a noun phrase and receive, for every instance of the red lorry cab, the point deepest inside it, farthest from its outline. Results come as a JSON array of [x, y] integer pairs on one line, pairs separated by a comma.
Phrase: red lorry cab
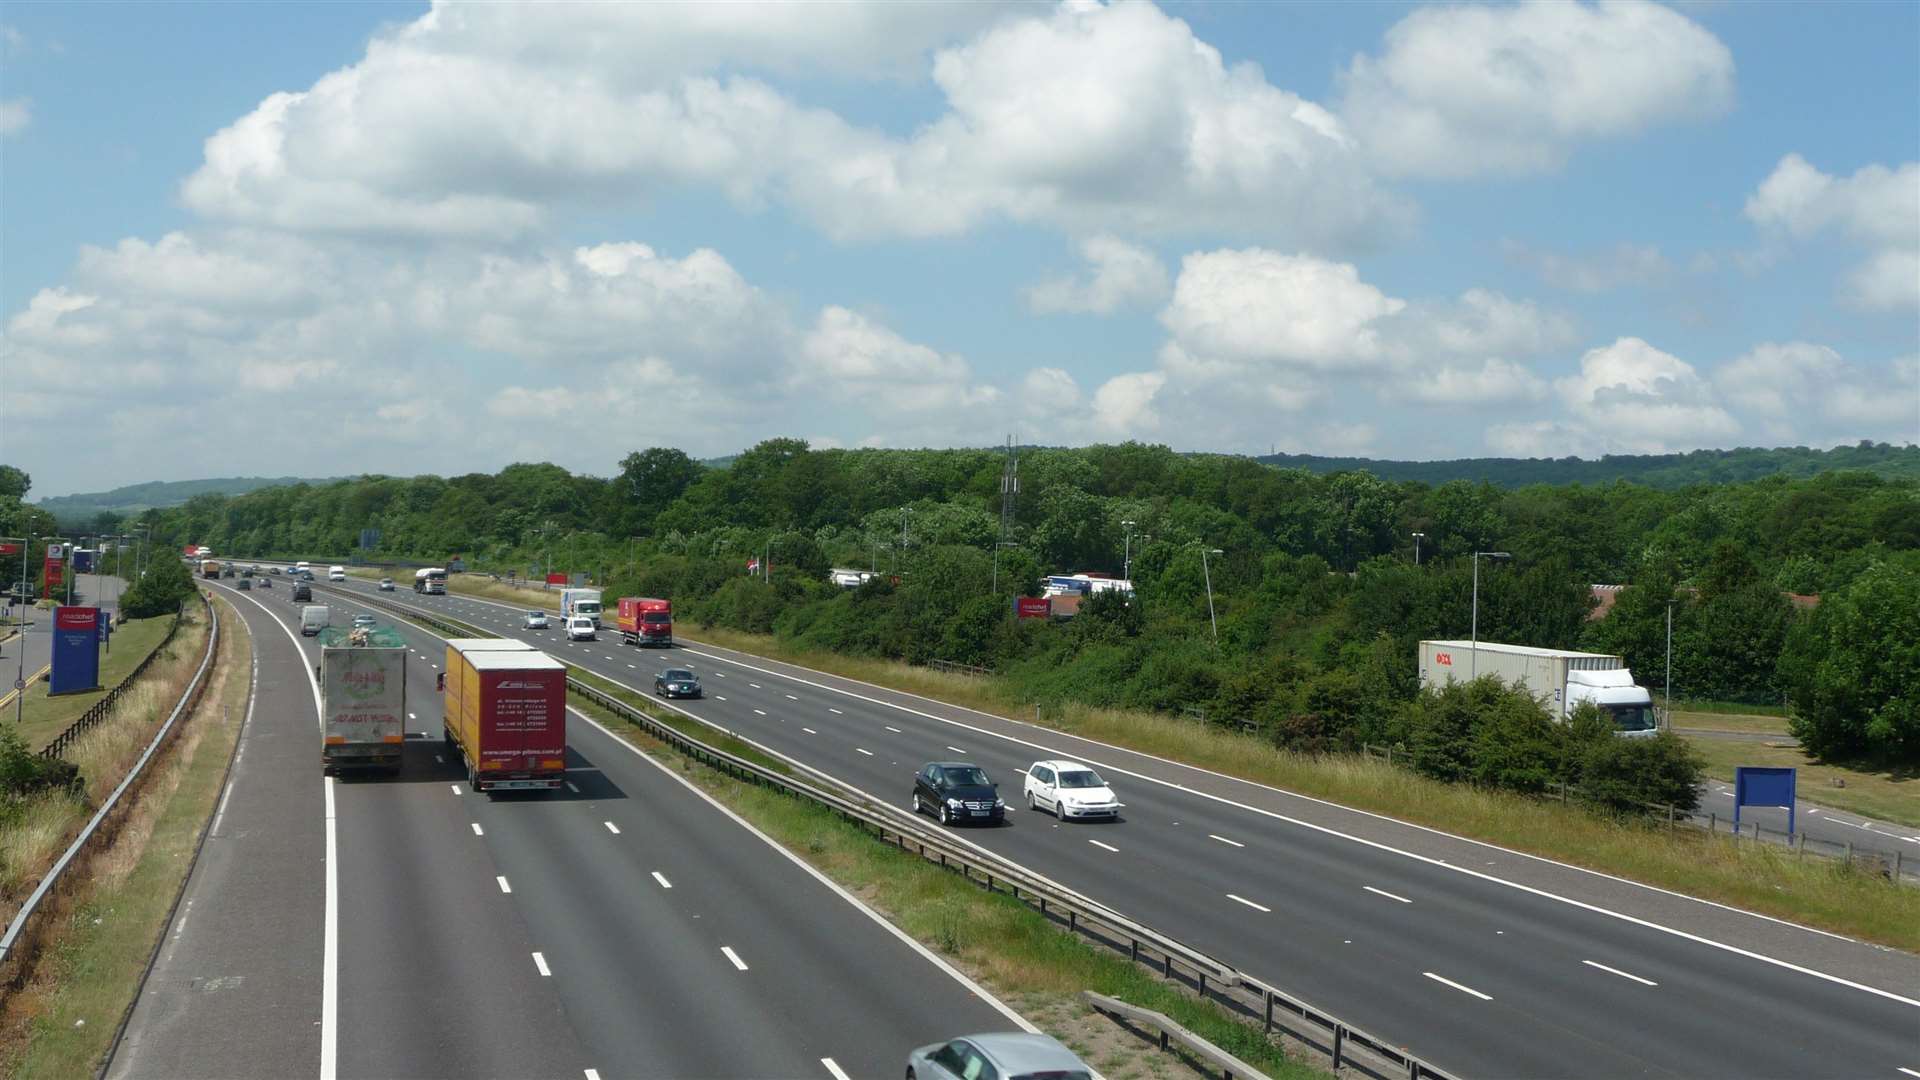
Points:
[[645, 621]]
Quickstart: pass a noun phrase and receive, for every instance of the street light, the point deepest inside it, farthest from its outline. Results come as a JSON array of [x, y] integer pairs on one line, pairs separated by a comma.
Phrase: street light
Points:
[[1126, 556], [1473, 661], [1669, 690], [1417, 537], [1204, 552]]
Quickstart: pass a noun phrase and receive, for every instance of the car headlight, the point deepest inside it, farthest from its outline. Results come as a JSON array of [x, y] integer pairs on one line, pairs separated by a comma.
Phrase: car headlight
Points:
[[998, 802], [954, 802]]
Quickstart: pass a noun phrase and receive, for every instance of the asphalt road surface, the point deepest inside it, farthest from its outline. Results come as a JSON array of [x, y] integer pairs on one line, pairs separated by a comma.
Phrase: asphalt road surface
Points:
[[1485, 961], [625, 926]]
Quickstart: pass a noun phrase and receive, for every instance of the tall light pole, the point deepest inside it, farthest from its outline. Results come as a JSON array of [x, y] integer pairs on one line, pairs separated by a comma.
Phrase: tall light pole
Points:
[[1126, 557], [1204, 552], [1669, 690], [1473, 661], [1417, 537]]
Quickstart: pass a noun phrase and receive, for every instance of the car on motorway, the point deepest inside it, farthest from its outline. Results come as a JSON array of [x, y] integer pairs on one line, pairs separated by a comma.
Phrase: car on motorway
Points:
[[581, 628], [535, 620], [274, 570], [244, 583], [1070, 790], [266, 583], [302, 593], [362, 619], [677, 682], [1008, 1056], [386, 584], [254, 569], [956, 791], [336, 573]]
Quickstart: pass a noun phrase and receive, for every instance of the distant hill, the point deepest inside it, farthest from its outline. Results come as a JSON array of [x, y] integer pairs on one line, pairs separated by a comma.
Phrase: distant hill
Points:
[[1653, 470], [133, 498]]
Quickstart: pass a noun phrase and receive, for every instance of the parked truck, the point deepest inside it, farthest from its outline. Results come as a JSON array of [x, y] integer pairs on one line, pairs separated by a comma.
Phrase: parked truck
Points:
[[1560, 678], [363, 696], [580, 602], [506, 714], [644, 620]]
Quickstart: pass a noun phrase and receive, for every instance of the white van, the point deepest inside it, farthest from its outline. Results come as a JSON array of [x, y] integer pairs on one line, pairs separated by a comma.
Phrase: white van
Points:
[[313, 619], [581, 628], [336, 573]]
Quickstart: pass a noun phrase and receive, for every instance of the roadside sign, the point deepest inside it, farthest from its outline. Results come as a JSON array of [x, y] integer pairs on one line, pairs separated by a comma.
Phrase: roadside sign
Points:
[[76, 650], [1756, 785]]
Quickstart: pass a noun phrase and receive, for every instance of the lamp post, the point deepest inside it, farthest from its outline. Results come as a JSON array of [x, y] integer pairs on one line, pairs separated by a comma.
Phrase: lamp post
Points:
[[1208, 573], [1417, 537], [20, 676], [1126, 556], [1473, 661], [1669, 690]]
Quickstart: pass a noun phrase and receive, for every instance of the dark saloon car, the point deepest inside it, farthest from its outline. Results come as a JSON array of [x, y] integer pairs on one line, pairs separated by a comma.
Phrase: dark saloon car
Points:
[[956, 791], [676, 682]]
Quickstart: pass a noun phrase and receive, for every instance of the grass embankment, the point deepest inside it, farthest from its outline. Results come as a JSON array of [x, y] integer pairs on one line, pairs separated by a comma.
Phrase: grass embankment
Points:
[[61, 1023], [1888, 794], [43, 716], [1814, 891], [1023, 958]]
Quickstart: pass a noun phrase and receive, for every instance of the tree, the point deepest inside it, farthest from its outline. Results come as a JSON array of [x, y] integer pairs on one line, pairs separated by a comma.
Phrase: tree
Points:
[[159, 591], [650, 480], [14, 482], [1852, 670]]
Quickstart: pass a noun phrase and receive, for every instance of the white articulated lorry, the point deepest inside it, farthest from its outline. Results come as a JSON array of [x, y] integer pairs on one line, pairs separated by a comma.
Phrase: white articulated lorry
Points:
[[1560, 678]]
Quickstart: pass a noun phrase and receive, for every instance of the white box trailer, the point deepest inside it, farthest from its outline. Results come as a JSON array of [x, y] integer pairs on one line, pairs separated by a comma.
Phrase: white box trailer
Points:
[[1560, 678], [363, 697], [575, 602]]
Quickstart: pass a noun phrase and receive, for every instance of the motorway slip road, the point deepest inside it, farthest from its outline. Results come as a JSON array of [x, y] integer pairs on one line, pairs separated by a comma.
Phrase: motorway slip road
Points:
[[626, 926], [1485, 961]]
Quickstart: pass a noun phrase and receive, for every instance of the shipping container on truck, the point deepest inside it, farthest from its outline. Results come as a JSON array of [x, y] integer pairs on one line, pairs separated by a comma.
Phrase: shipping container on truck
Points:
[[363, 697], [1560, 678], [506, 712], [645, 621]]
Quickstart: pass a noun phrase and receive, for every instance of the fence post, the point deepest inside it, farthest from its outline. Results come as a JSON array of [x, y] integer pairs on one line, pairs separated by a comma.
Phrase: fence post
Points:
[[1896, 866], [1389, 755], [1671, 824], [1339, 1041], [1563, 793], [1269, 1027], [1713, 822], [1849, 854]]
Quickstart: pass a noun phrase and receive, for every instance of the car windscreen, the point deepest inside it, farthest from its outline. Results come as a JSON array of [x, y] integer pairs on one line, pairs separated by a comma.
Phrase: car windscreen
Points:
[[682, 676], [656, 617], [536, 614], [1081, 778], [966, 776]]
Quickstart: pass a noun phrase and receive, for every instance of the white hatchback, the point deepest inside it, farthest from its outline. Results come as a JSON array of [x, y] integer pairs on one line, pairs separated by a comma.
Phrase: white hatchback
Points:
[[1070, 790]]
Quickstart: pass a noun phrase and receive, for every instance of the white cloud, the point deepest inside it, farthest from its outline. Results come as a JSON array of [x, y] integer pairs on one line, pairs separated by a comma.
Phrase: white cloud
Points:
[[15, 115], [1482, 323], [1621, 266], [1798, 391], [1471, 89], [1629, 397], [477, 122], [1123, 276], [1494, 381], [1876, 208], [1124, 404], [1232, 309], [850, 357]]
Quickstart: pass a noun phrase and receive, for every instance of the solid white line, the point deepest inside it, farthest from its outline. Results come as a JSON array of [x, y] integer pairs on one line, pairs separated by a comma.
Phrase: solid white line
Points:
[[826, 882], [1908, 1071], [956, 750], [1457, 986], [611, 827], [893, 729], [504, 887], [541, 963], [664, 883], [869, 753], [735, 957], [1385, 893], [1622, 974], [1249, 903], [809, 731], [1224, 840], [477, 830], [330, 947], [834, 1070], [1098, 844], [1377, 845]]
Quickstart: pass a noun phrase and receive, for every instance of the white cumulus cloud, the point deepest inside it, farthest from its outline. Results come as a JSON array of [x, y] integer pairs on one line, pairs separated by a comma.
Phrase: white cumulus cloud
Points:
[[1123, 275], [1472, 89], [1876, 208]]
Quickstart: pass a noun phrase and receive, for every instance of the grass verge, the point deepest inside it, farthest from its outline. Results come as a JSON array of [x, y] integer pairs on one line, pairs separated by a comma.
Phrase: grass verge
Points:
[[1745, 723], [1813, 891], [43, 717], [1021, 957], [1887, 794], [62, 1022]]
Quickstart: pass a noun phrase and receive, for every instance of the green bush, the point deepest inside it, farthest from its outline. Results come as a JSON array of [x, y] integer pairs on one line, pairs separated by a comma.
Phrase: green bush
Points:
[[23, 772], [160, 591], [1626, 775], [1852, 670]]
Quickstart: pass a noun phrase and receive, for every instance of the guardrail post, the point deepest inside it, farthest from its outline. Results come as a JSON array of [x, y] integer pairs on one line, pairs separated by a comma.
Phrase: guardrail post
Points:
[[1134, 953], [1168, 958], [1073, 921], [1339, 1037], [1268, 994], [1203, 984]]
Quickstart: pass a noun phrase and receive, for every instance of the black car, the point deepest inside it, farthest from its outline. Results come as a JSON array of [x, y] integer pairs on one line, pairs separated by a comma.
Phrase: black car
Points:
[[274, 570], [301, 594], [677, 682], [244, 583], [266, 583], [957, 791]]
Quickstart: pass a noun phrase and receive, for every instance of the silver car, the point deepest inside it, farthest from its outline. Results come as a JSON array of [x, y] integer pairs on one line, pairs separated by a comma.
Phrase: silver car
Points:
[[1009, 1056], [535, 620]]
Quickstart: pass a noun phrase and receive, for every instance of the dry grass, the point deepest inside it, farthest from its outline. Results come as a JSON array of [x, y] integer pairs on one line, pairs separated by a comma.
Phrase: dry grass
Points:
[[1887, 794], [61, 1022], [43, 717]]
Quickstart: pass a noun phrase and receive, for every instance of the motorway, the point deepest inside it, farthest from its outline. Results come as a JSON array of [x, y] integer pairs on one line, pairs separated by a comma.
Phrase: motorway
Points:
[[627, 926], [1485, 961]]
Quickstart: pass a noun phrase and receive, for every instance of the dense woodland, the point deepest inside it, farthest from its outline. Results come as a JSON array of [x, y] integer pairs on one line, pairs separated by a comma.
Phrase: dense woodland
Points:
[[1318, 600]]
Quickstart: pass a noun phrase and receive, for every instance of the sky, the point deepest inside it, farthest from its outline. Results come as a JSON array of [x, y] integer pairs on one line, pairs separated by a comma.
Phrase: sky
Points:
[[326, 239]]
